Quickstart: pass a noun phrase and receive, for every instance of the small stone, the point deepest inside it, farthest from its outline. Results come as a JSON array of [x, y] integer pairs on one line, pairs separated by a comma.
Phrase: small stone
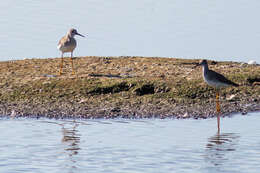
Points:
[[252, 62], [244, 113], [185, 115], [231, 97], [83, 101], [13, 114], [49, 75], [243, 64], [256, 83]]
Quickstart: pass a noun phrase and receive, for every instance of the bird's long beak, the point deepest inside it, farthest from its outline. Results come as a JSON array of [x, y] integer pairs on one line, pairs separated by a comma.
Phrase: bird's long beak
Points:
[[80, 35], [198, 64]]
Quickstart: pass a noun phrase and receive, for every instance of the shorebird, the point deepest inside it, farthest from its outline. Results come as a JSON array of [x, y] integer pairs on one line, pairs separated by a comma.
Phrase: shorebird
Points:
[[67, 44], [217, 81], [213, 78]]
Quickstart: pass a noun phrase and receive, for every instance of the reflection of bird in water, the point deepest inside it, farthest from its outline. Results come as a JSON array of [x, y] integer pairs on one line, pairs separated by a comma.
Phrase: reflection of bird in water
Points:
[[71, 138], [219, 147], [221, 139]]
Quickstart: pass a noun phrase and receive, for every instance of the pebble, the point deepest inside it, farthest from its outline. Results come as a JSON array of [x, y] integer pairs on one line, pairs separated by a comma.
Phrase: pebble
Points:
[[185, 115], [252, 62], [231, 97], [13, 114], [49, 75]]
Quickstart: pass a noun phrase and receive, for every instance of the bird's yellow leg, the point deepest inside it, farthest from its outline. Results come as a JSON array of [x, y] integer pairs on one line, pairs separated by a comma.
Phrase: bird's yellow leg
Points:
[[71, 59], [218, 110], [217, 102], [61, 64], [218, 119]]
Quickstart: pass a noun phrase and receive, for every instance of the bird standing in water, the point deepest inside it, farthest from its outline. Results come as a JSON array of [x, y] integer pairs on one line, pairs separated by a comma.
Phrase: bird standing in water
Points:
[[68, 44], [217, 81]]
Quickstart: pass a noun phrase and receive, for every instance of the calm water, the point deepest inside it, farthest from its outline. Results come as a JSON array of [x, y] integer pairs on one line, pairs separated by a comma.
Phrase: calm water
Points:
[[134, 146], [216, 29]]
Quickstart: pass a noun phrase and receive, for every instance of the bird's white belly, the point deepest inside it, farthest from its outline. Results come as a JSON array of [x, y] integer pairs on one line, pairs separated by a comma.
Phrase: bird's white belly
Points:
[[66, 48]]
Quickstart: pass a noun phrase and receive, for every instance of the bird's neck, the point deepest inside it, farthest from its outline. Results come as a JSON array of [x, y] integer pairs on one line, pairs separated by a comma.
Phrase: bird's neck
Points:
[[69, 35], [205, 68]]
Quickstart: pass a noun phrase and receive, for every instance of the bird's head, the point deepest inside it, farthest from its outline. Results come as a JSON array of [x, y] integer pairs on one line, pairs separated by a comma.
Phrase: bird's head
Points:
[[203, 62], [72, 32]]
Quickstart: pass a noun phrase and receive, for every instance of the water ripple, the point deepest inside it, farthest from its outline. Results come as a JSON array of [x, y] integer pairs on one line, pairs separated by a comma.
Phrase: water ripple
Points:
[[122, 145]]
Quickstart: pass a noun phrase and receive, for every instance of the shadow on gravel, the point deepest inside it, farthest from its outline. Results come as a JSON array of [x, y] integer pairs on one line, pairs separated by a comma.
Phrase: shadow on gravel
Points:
[[116, 88]]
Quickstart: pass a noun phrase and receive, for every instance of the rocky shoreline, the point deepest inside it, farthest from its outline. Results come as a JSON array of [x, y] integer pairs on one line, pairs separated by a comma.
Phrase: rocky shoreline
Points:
[[127, 87]]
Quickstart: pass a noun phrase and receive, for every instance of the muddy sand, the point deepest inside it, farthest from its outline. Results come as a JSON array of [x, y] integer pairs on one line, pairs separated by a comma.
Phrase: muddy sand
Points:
[[128, 87]]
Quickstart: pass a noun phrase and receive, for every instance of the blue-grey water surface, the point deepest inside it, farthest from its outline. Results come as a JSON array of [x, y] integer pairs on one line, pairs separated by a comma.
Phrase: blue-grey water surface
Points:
[[215, 29], [134, 146]]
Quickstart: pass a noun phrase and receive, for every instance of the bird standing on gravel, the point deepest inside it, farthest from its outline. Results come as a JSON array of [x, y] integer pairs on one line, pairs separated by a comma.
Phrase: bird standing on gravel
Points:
[[217, 81], [68, 44]]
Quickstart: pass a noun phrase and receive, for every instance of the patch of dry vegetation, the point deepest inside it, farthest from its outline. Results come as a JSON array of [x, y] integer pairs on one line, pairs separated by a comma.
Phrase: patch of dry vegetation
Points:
[[122, 86]]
